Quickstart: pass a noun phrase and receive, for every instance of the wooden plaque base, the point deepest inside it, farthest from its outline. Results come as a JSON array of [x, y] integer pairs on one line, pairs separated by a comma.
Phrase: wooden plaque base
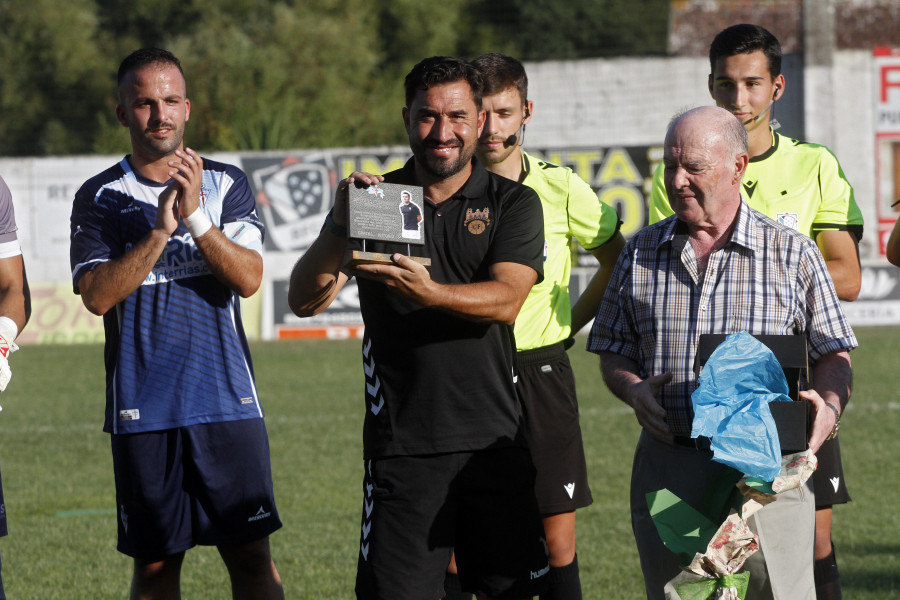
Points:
[[361, 258]]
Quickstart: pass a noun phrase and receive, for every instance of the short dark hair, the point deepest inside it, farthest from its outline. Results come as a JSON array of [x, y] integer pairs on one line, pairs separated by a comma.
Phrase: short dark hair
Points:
[[443, 69], [146, 57], [744, 39], [501, 72]]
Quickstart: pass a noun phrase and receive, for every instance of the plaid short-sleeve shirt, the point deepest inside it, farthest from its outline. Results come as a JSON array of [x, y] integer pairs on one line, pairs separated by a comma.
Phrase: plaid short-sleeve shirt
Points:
[[768, 279]]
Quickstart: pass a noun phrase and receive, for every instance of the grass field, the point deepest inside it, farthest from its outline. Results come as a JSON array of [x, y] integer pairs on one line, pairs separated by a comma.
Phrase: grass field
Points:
[[57, 476]]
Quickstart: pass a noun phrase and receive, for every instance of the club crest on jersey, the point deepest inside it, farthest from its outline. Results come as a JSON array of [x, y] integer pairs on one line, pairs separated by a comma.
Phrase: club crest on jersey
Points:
[[791, 220], [204, 194], [477, 220]]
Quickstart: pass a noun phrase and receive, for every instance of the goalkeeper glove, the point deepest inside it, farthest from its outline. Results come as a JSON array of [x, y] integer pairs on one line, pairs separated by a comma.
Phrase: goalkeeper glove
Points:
[[8, 332]]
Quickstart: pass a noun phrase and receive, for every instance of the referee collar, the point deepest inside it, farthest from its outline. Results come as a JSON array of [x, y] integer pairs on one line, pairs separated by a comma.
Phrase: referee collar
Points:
[[772, 149], [526, 166]]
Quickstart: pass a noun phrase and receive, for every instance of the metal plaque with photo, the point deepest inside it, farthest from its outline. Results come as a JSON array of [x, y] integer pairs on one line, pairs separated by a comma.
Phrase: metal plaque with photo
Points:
[[387, 212]]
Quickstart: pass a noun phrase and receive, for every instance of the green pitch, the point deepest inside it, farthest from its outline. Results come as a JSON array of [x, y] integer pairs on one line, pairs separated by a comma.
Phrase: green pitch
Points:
[[57, 476]]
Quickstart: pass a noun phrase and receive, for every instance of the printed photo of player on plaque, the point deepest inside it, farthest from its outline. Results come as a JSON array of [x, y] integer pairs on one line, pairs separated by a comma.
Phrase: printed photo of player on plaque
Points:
[[386, 212], [411, 215]]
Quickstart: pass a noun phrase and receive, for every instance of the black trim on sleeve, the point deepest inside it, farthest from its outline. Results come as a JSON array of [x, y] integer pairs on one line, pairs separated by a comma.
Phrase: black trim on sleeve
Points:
[[856, 230]]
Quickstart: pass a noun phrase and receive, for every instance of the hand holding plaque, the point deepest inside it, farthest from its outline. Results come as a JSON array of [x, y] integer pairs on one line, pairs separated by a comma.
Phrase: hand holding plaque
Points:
[[386, 212]]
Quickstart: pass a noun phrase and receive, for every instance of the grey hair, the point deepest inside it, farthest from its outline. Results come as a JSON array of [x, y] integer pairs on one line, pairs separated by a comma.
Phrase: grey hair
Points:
[[735, 135]]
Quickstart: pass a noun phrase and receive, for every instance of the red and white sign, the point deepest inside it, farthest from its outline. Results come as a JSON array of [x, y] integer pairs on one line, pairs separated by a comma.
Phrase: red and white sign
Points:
[[887, 139]]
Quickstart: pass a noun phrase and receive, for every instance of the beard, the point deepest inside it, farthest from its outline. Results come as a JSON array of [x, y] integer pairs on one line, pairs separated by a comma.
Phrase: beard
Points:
[[440, 167], [159, 147]]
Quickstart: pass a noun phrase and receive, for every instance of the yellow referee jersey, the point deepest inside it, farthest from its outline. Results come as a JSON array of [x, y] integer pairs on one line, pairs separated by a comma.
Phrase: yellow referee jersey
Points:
[[571, 210]]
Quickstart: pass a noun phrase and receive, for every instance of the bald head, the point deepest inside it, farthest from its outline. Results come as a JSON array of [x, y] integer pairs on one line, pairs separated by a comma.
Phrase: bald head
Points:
[[705, 157], [717, 122]]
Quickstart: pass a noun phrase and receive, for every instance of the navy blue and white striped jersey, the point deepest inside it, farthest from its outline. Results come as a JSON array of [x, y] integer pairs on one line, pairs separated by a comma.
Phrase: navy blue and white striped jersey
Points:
[[176, 353]]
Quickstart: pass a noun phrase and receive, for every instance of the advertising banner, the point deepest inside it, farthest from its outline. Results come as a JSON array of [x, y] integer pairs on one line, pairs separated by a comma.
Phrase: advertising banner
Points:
[[295, 191], [887, 139]]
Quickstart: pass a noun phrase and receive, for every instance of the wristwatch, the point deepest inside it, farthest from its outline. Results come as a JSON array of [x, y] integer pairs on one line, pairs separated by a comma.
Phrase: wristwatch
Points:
[[837, 422]]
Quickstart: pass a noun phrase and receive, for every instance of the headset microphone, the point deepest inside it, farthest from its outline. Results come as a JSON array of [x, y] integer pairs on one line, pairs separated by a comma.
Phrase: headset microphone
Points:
[[760, 115], [763, 113], [514, 138]]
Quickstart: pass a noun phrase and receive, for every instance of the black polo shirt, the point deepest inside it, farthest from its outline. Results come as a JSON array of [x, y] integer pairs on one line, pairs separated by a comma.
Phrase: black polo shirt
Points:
[[410, 214], [435, 382]]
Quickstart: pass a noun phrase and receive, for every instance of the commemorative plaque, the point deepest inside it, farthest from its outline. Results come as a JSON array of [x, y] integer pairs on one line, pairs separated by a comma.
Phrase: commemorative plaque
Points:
[[386, 212]]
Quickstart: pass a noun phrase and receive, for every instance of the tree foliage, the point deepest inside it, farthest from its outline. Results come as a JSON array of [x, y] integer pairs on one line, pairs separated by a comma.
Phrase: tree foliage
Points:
[[274, 74], [552, 30]]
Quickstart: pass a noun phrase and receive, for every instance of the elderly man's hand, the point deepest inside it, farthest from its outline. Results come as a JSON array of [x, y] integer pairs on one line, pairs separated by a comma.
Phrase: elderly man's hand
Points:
[[643, 397], [824, 419]]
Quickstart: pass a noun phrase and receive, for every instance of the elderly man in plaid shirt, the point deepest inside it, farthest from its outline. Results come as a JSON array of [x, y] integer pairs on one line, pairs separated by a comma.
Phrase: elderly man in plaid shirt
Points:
[[716, 266]]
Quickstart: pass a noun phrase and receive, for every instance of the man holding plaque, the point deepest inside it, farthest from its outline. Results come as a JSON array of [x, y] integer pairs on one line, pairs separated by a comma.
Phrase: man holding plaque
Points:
[[717, 266], [446, 466], [547, 320]]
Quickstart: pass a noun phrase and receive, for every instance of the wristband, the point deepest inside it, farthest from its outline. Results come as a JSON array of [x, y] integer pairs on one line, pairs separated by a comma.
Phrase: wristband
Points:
[[197, 223], [837, 422], [333, 227]]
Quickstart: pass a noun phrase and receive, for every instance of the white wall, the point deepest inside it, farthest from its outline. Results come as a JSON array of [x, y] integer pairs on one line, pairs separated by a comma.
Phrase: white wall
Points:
[[622, 102], [630, 101]]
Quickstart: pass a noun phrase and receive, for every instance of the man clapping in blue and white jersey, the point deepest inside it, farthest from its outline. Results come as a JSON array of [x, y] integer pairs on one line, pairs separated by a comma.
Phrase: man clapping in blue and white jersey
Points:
[[162, 245]]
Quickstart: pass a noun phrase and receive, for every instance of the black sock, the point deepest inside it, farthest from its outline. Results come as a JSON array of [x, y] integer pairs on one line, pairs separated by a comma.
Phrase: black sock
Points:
[[453, 589], [564, 583], [827, 577]]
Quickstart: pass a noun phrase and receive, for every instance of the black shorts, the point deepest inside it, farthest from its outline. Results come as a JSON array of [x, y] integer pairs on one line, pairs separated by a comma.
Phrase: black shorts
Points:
[[828, 478], [546, 388], [418, 509], [208, 484]]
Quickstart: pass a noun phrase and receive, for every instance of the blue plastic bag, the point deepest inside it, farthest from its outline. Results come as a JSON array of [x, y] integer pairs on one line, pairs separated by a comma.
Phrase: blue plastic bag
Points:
[[731, 406]]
